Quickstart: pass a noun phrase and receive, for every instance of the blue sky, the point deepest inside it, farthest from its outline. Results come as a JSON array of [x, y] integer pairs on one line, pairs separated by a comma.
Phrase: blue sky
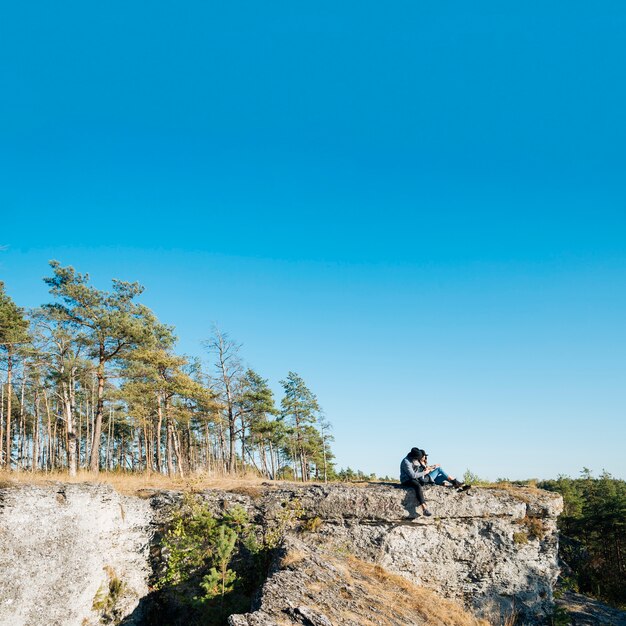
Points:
[[420, 207]]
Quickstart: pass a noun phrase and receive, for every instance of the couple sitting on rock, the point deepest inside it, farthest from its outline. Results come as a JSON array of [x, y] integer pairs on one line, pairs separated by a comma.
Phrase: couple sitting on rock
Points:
[[415, 472]]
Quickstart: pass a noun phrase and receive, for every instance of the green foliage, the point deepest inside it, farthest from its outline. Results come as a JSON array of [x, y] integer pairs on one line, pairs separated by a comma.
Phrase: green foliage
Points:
[[311, 525], [199, 550], [520, 538], [103, 372], [287, 517], [217, 583], [593, 531], [237, 519], [213, 564], [304, 443], [111, 321], [220, 579], [107, 596], [13, 325], [350, 475], [470, 478], [189, 543], [257, 402]]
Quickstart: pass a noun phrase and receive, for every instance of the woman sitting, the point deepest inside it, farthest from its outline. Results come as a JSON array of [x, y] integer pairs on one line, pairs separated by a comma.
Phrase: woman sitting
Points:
[[435, 475]]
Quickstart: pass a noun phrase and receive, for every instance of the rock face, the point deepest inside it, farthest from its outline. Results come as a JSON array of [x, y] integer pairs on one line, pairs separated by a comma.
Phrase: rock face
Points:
[[62, 546], [585, 611], [318, 587], [494, 550], [67, 551]]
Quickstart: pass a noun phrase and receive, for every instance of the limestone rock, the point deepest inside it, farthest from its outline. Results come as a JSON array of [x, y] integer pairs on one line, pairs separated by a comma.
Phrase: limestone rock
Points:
[[61, 546], [314, 587], [494, 550], [585, 611]]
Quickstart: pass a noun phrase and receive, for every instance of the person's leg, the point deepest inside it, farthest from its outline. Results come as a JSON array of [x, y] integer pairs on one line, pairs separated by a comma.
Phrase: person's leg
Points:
[[439, 476], [419, 494]]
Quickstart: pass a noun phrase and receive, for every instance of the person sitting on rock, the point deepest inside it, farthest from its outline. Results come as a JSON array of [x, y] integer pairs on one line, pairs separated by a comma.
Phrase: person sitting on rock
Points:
[[435, 475], [415, 472], [412, 476]]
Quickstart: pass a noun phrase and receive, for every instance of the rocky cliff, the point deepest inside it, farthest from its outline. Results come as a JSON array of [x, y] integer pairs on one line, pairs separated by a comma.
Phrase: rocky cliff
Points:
[[64, 549]]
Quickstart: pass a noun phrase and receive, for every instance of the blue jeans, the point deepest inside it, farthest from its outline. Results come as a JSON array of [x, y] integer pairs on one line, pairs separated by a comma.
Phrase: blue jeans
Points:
[[438, 476]]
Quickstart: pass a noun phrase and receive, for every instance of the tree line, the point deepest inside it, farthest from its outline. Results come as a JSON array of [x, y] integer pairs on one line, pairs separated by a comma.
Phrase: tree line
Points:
[[593, 534], [91, 380]]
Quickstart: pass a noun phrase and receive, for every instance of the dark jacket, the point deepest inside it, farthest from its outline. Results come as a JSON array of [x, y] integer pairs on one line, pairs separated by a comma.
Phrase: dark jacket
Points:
[[410, 470]]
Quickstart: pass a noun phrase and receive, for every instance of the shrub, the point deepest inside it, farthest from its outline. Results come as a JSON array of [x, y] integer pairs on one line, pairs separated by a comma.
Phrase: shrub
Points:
[[107, 596], [520, 538]]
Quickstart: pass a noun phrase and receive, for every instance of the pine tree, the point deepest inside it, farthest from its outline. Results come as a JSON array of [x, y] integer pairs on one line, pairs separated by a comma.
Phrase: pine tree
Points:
[[257, 406], [111, 322], [299, 409], [156, 374], [220, 579], [13, 335], [61, 351]]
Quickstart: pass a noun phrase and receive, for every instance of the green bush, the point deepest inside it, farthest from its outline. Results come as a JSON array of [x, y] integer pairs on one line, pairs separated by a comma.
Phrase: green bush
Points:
[[198, 551], [212, 565]]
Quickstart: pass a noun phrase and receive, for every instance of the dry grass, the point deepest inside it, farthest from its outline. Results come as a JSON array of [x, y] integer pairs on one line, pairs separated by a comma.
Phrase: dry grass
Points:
[[131, 483], [293, 557], [410, 604], [315, 587], [245, 483], [534, 527], [525, 494]]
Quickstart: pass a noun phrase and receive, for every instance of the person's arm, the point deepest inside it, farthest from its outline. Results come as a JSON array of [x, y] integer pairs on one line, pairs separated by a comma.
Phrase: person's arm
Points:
[[408, 469], [425, 470], [419, 473]]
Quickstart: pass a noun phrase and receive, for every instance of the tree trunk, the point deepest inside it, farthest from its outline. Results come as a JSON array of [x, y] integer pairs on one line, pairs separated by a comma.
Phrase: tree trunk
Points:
[[179, 459], [1, 423], [7, 446], [222, 445], [110, 447], [144, 451], [49, 422], [169, 440], [232, 434], [263, 457], [243, 441], [272, 461], [35, 461], [158, 434], [68, 405], [94, 462], [55, 439], [21, 438], [207, 460]]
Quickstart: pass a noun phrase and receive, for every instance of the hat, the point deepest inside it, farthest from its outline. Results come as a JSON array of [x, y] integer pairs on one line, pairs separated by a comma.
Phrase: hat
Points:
[[416, 453]]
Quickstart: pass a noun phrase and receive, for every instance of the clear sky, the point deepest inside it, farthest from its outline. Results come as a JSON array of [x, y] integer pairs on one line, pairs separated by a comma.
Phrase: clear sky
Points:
[[420, 207]]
